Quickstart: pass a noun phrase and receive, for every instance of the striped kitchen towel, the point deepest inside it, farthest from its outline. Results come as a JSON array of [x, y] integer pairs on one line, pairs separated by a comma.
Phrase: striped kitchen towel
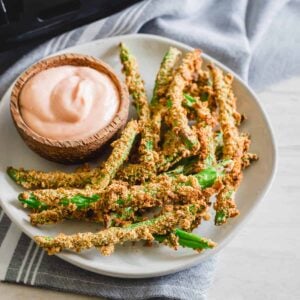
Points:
[[244, 35]]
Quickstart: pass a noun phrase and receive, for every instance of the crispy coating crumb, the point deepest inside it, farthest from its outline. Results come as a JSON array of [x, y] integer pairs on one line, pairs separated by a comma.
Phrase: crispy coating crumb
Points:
[[124, 199], [176, 117], [105, 239], [234, 144], [134, 83], [32, 179]]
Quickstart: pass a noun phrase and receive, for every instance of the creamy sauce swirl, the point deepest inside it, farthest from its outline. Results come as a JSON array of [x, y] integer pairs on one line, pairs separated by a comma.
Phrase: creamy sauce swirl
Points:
[[68, 102]]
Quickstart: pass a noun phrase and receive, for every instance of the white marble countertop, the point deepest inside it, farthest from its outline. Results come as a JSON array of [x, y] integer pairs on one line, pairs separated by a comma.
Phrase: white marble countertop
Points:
[[263, 260]]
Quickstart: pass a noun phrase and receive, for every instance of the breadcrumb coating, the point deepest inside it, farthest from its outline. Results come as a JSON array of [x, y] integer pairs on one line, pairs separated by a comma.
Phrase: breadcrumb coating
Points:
[[185, 148]]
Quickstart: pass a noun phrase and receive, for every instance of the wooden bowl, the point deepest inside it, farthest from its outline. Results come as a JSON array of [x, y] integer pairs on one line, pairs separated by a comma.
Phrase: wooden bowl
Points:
[[76, 150]]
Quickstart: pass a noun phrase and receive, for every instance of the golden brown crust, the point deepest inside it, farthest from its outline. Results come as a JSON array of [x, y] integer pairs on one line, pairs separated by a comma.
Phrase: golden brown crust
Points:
[[176, 116], [233, 148], [106, 239]]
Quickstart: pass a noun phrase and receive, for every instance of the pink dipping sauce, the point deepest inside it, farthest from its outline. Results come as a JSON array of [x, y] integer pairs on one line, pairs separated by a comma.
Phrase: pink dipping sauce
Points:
[[68, 102]]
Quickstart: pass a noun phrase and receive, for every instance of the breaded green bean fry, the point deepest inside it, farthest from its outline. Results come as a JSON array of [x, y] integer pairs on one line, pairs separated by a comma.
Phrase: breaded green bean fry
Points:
[[164, 76], [176, 117], [173, 151], [225, 205], [162, 82], [126, 215], [32, 179], [119, 154], [105, 240], [137, 90], [134, 83], [151, 131]]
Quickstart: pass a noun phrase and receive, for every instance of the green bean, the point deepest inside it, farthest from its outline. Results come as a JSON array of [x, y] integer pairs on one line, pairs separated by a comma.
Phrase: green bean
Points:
[[151, 126], [137, 90], [58, 214], [106, 240], [164, 76], [225, 205], [119, 154], [176, 117], [206, 178], [172, 152], [32, 202], [31, 179], [80, 201], [134, 83], [191, 240], [189, 101], [186, 239], [185, 166]]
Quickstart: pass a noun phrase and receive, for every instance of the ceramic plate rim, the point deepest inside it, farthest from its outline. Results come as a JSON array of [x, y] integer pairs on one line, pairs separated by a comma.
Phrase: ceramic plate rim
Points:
[[234, 231]]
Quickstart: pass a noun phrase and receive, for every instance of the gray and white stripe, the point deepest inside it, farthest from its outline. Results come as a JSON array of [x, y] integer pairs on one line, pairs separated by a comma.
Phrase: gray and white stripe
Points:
[[32, 259], [8, 247], [36, 269], [25, 259]]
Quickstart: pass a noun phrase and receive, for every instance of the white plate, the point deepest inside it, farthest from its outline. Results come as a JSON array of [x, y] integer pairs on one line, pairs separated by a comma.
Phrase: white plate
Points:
[[137, 261]]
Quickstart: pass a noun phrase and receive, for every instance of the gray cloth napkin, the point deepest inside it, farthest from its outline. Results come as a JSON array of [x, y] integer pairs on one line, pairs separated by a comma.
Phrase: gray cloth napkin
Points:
[[259, 40]]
